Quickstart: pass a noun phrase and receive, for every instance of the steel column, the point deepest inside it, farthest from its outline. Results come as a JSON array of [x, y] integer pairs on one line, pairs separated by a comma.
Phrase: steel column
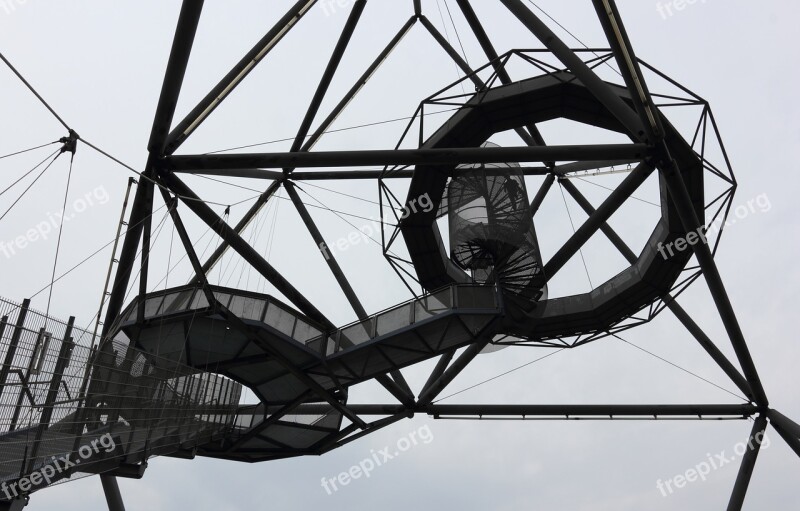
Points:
[[786, 428], [111, 491], [748, 463], [319, 241], [327, 75], [182, 44], [231, 80], [354, 90], [448, 48], [617, 37], [532, 136], [601, 90], [680, 196], [440, 368]]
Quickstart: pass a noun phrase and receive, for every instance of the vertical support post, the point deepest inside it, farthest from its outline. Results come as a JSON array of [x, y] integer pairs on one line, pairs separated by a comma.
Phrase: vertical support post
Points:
[[111, 490], [3, 323]]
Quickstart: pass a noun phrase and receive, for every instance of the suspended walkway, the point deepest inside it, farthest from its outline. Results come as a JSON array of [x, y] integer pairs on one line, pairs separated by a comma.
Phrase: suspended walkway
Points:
[[284, 355], [68, 412]]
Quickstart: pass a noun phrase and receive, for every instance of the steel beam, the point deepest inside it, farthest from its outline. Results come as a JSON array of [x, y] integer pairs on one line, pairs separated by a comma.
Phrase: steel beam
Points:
[[741, 410], [173, 77], [682, 316], [340, 440], [540, 410], [272, 175], [381, 157], [207, 215], [629, 185], [111, 491], [448, 48], [628, 64], [440, 368], [435, 387], [748, 463], [356, 88], [327, 75], [319, 241], [344, 284], [601, 90], [238, 324], [331, 175], [531, 137], [688, 215], [234, 77], [239, 228], [536, 203], [786, 428]]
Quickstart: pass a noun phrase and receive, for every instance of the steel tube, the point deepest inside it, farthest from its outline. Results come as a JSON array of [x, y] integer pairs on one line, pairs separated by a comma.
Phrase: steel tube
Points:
[[381, 157]]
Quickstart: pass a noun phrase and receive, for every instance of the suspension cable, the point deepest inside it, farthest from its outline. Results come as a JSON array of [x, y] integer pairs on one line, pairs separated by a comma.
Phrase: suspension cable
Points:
[[60, 231], [30, 185], [27, 150]]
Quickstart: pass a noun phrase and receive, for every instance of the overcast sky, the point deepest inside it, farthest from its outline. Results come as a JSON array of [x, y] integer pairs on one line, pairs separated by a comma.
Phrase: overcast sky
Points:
[[100, 65]]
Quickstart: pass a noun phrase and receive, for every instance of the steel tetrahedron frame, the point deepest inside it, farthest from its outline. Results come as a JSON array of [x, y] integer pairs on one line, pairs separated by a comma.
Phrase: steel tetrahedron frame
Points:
[[466, 301]]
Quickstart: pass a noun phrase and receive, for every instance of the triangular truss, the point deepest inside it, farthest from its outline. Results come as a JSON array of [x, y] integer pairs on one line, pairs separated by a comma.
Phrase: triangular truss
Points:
[[630, 109]]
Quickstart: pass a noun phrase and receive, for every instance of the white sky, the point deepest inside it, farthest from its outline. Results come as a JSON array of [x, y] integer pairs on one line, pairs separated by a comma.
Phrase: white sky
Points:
[[100, 66]]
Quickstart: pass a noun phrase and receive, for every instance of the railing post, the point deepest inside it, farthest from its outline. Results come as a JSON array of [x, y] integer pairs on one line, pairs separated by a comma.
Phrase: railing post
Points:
[[64, 354], [12, 345], [25, 380]]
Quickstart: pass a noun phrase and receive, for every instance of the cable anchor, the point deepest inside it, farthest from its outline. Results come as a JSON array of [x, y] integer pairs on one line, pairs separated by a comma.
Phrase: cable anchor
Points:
[[70, 142]]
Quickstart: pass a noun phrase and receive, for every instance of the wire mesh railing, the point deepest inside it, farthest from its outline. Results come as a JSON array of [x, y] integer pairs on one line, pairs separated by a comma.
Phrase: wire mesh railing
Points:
[[68, 410]]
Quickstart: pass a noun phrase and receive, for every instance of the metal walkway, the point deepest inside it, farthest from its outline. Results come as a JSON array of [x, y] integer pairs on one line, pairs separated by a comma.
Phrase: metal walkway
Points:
[[284, 350]]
